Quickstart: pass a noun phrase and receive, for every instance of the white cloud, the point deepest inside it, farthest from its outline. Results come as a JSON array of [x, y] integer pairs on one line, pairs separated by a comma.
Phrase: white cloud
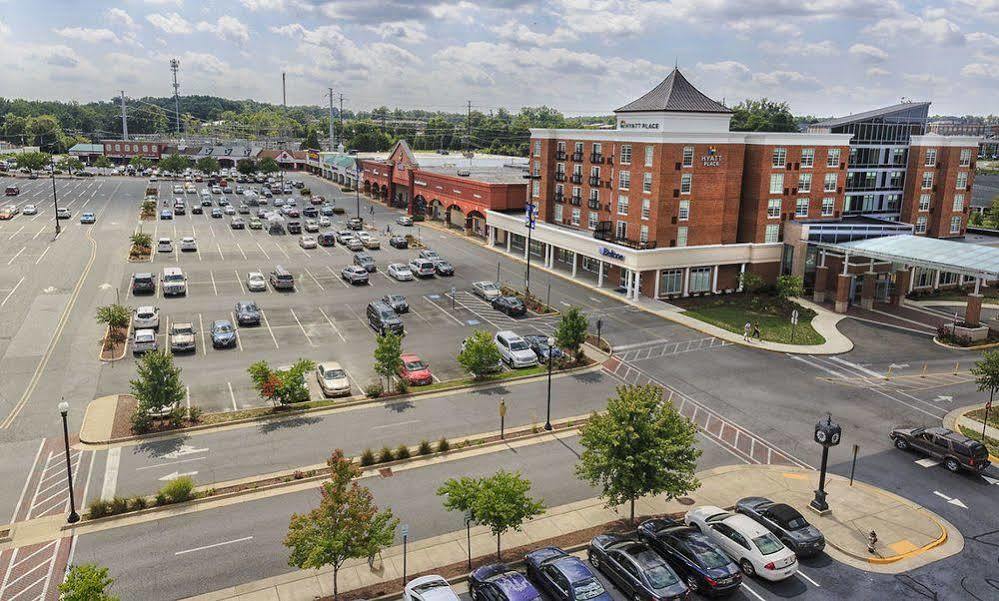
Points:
[[171, 23], [801, 48], [779, 81], [117, 16], [727, 69], [205, 63], [868, 53], [164, 2], [227, 28], [521, 34], [3, 28], [877, 72], [982, 38], [914, 28], [84, 34], [404, 32]]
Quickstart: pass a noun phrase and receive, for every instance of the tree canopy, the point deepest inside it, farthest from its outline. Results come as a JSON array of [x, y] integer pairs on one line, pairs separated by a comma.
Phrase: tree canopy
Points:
[[762, 115]]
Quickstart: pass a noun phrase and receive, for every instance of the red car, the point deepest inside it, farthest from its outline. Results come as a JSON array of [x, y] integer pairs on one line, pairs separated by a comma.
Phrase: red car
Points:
[[317, 200], [414, 371]]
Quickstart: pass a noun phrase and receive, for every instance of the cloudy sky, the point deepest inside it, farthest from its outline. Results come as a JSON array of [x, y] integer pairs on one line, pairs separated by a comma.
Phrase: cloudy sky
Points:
[[825, 57]]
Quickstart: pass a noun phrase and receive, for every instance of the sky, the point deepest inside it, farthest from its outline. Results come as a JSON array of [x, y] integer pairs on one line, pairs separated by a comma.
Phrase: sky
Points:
[[823, 57]]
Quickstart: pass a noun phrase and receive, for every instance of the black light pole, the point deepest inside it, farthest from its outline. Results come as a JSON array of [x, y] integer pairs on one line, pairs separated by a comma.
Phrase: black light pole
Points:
[[530, 228], [357, 195], [827, 434], [548, 417], [55, 199], [73, 516]]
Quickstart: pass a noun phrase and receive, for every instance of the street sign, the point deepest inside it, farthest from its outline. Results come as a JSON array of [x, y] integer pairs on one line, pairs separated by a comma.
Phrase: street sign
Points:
[[468, 517], [502, 408], [404, 529], [794, 317]]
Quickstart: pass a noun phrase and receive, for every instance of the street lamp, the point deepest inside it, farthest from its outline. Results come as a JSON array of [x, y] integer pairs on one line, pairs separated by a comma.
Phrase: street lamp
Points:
[[548, 418], [73, 516], [827, 434], [357, 197], [55, 199]]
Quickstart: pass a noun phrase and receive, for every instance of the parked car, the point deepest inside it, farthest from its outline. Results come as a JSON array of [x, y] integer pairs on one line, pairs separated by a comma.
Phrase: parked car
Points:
[[216, 213], [398, 242], [182, 337], [174, 282], [428, 253], [144, 341], [363, 259], [143, 282], [63, 213], [354, 244], [244, 209], [414, 371], [510, 305], [30, 210], [326, 239], [369, 241], [326, 210], [444, 268], [956, 451], [397, 302], [256, 282], [294, 226], [247, 313], [164, 245], [786, 522], [383, 319], [88, 218], [539, 344], [355, 223], [638, 571], [422, 268], [12, 191], [354, 274], [229, 210], [311, 225], [498, 582], [325, 222], [165, 214], [146, 317], [282, 279], [429, 588], [514, 350], [487, 291], [237, 223], [563, 577], [310, 211], [399, 272], [197, 210], [404, 220], [223, 334], [332, 379], [756, 550], [701, 563], [255, 223], [307, 242]]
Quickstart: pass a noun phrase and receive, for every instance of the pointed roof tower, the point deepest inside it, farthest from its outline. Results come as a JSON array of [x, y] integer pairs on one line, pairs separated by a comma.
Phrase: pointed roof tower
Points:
[[676, 95]]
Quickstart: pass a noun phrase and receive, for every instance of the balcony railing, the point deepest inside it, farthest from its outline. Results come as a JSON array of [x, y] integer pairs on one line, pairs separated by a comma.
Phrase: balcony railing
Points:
[[559, 155], [604, 231], [576, 200], [594, 205], [559, 177], [577, 156], [577, 178], [596, 157], [559, 197], [594, 180]]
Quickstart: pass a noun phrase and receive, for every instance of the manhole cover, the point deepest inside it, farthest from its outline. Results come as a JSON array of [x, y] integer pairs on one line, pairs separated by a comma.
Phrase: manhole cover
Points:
[[685, 501]]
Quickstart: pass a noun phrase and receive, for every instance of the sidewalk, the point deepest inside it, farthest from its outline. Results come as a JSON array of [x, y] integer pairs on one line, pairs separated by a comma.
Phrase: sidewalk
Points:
[[909, 536]]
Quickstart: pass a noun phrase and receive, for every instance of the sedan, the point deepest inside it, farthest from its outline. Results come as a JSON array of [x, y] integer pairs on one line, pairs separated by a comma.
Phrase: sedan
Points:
[[748, 543], [354, 274], [164, 245], [539, 344], [498, 582], [702, 564], [563, 577], [311, 225], [188, 243], [354, 243], [355, 223], [237, 224], [414, 371], [343, 235], [325, 222], [164, 214], [88, 218], [400, 272], [332, 379], [487, 291], [430, 254], [366, 261], [30, 210], [636, 569], [307, 242], [786, 522], [229, 209], [256, 282], [62, 213], [223, 334], [146, 318], [397, 302], [247, 313], [404, 220], [429, 588], [144, 341], [398, 242], [197, 210], [444, 268], [511, 305], [216, 213], [256, 224]]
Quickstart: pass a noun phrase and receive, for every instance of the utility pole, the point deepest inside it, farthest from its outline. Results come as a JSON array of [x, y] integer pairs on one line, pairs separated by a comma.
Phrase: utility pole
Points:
[[341, 121], [332, 147], [468, 128], [175, 66], [124, 118], [284, 91]]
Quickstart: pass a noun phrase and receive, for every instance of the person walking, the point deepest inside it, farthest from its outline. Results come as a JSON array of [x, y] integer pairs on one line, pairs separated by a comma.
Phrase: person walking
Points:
[[756, 331], [745, 331], [371, 209]]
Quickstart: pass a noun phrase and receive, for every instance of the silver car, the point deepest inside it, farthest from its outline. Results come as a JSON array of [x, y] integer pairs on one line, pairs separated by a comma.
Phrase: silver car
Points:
[[146, 317], [256, 282], [487, 291], [144, 341], [182, 337], [400, 272]]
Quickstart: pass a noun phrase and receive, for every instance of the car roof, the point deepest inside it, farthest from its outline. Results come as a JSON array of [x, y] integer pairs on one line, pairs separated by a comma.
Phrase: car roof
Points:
[[744, 524], [572, 568], [329, 365], [508, 334], [410, 357], [143, 274], [145, 332], [784, 512]]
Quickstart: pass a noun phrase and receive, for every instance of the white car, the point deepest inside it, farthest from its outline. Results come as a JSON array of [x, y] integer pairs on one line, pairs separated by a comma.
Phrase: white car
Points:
[[216, 189], [325, 222], [146, 317], [30, 210], [307, 242], [514, 350], [423, 268], [487, 291], [164, 245], [188, 243], [332, 379], [753, 547], [230, 210], [429, 588], [256, 282], [354, 243], [400, 272], [311, 225], [178, 189]]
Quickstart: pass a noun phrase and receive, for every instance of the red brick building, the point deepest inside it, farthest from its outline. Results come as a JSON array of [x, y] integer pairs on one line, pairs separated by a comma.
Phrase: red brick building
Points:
[[127, 149], [937, 193]]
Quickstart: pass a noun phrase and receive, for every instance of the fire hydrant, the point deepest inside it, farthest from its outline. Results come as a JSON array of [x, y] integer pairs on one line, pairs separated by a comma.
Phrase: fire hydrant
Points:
[[872, 539]]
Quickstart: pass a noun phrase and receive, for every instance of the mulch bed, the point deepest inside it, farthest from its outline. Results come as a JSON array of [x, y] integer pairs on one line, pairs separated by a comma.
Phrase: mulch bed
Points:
[[123, 416], [114, 350]]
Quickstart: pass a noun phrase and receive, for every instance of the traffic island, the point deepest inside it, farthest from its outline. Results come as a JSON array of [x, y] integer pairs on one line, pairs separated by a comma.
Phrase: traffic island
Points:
[[970, 421]]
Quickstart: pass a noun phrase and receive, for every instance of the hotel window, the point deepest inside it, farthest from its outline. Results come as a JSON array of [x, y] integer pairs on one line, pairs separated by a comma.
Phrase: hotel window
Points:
[[591, 220], [931, 158], [622, 230], [558, 213], [671, 281], [560, 169], [807, 157], [575, 217], [595, 172], [924, 203], [579, 148], [595, 197], [688, 156], [117, 147], [779, 158], [560, 147], [965, 157], [776, 183], [801, 207], [829, 184], [894, 179], [962, 180], [958, 203], [686, 181], [626, 154], [805, 182], [684, 211], [559, 190], [624, 180], [681, 236], [921, 225], [643, 233], [597, 148], [897, 156], [955, 225], [648, 155], [536, 170], [828, 206], [535, 188], [927, 180], [537, 147], [577, 193], [646, 208], [700, 279], [577, 169], [772, 233], [646, 182], [773, 208], [832, 159], [893, 201], [622, 205]]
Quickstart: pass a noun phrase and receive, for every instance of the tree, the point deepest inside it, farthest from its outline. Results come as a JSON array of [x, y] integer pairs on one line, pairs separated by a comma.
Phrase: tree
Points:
[[640, 446], [156, 387], [346, 524], [207, 165], [33, 160], [992, 219], [751, 282], [268, 165], [500, 501], [103, 162], [70, 164], [311, 140], [140, 163], [762, 115], [281, 386], [86, 582], [116, 317], [480, 355], [246, 166], [175, 163], [388, 355], [986, 372], [790, 286], [141, 240], [571, 331], [976, 219]]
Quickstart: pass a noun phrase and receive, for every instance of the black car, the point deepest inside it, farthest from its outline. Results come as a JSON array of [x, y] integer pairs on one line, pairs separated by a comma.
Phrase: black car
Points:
[[539, 344], [564, 577], [397, 302], [294, 227], [326, 239], [956, 451], [223, 334], [693, 556], [444, 268], [237, 224], [511, 305], [197, 210], [398, 242], [143, 283], [636, 569], [247, 313], [786, 522], [498, 582]]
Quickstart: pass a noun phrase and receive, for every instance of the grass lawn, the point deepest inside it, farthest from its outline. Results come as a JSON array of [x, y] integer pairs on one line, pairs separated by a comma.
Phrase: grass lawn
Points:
[[733, 311]]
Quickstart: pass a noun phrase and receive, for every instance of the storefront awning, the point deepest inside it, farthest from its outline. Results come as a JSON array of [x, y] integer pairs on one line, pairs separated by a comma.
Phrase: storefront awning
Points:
[[946, 255]]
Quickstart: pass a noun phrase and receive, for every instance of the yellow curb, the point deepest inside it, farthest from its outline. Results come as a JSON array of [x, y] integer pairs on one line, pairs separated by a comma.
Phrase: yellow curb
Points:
[[939, 541]]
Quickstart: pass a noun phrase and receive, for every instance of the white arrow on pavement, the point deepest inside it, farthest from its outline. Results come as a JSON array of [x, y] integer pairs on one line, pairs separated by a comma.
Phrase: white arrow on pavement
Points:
[[183, 450], [990, 480], [958, 503], [944, 398], [898, 366], [176, 475], [941, 495], [105, 286]]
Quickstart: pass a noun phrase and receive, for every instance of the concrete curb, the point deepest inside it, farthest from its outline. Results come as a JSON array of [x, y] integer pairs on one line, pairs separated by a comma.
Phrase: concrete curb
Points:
[[950, 421], [980, 347]]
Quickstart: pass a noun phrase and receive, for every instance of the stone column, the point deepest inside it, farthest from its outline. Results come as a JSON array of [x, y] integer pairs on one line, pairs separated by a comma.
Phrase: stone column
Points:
[[821, 283], [867, 290], [973, 313], [638, 285], [600, 274], [902, 278], [686, 281], [659, 278], [843, 282], [509, 241], [575, 262]]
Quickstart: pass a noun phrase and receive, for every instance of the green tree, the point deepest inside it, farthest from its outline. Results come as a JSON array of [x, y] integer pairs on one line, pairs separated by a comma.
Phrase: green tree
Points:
[[986, 372], [70, 164], [311, 140], [33, 160], [207, 165], [281, 386], [268, 165], [246, 166], [140, 163], [790, 286], [116, 317], [175, 163], [640, 446], [346, 524], [86, 582], [976, 219], [762, 115], [157, 387], [500, 501], [388, 355], [751, 282], [141, 240], [103, 162], [571, 331], [479, 356], [992, 219]]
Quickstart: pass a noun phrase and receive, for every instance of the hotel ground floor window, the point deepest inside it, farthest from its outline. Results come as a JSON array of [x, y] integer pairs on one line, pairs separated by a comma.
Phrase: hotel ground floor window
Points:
[[947, 277], [537, 248], [700, 279], [517, 241], [923, 279], [622, 230], [671, 281], [590, 264], [563, 256]]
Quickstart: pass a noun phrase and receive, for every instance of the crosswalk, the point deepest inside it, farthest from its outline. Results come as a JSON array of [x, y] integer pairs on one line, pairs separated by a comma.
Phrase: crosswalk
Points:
[[658, 349]]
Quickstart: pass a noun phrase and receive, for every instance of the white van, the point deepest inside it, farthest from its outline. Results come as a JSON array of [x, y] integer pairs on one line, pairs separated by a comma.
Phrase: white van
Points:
[[174, 282]]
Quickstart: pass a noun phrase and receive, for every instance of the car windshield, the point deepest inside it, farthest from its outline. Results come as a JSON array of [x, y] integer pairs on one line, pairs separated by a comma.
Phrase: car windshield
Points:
[[144, 314], [334, 374], [587, 589], [183, 330], [519, 345], [414, 365], [426, 586], [174, 277], [797, 523], [660, 576], [256, 277], [767, 544], [706, 555], [395, 298], [223, 327], [248, 307], [144, 337], [488, 286]]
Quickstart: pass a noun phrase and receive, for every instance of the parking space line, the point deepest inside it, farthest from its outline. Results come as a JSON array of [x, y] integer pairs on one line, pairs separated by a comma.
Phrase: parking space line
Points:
[[232, 396], [218, 245], [332, 325], [337, 278], [418, 314], [166, 336], [201, 327], [12, 259], [805, 576], [239, 341], [445, 312], [241, 250], [214, 287], [13, 290], [16, 233], [268, 324], [39, 232], [301, 327], [754, 593], [354, 313], [314, 279], [473, 312], [239, 281], [267, 256]]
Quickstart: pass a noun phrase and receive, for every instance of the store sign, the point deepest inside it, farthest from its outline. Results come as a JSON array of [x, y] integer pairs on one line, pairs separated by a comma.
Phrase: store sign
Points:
[[712, 158], [629, 124], [613, 254]]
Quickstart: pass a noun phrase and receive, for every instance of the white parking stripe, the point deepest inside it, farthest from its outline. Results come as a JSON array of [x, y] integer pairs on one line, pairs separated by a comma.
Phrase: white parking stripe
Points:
[[239, 341], [111, 474], [805, 576], [267, 323], [232, 396], [332, 325], [314, 279], [11, 293], [751, 591], [305, 333], [201, 327], [12, 259]]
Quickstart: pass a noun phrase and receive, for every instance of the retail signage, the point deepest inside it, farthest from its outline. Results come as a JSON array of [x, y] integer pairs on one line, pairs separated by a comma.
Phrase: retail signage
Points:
[[626, 124], [712, 158], [613, 254]]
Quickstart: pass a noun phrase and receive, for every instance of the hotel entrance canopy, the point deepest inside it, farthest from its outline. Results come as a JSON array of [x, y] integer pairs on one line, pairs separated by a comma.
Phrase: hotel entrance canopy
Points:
[[980, 262]]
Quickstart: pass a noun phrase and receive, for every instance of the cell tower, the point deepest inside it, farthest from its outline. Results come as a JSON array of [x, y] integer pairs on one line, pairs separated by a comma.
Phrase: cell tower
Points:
[[175, 66]]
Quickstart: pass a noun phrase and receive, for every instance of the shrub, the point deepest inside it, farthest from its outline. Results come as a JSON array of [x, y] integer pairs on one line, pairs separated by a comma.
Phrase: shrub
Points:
[[402, 452], [98, 508], [194, 414], [443, 446], [751, 282], [298, 475], [138, 502], [424, 448], [401, 386], [374, 390], [385, 455], [306, 192], [118, 505], [161, 499], [417, 218], [367, 457], [178, 490]]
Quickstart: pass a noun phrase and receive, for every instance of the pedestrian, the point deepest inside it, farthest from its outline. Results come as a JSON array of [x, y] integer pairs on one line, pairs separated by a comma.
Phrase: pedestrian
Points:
[[756, 331], [371, 209], [745, 331]]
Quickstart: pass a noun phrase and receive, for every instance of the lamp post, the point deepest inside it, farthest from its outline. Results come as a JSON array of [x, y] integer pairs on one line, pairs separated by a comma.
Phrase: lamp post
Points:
[[827, 434], [55, 199], [548, 417], [73, 516], [357, 197]]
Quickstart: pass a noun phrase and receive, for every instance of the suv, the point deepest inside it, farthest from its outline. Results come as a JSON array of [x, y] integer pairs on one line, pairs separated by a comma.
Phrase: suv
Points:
[[281, 279], [174, 281], [143, 282], [955, 450], [514, 350], [422, 268], [383, 319], [182, 337]]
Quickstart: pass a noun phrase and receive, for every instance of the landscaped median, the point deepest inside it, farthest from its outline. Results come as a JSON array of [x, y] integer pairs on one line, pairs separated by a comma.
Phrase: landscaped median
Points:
[[970, 421]]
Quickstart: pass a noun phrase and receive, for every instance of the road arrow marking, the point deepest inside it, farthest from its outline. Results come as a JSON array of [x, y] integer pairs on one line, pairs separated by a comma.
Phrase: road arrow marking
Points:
[[941, 495], [944, 398], [990, 480], [928, 463], [176, 475], [958, 503], [183, 450], [898, 366], [105, 286]]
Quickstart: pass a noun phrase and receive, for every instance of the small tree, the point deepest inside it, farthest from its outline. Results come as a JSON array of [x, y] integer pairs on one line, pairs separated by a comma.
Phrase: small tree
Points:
[[103, 162], [311, 140], [207, 165], [751, 282], [570, 333], [33, 161], [140, 163], [86, 582], [500, 501], [116, 317], [986, 372], [388, 356], [70, 164], [281, 386], [246, 166], [640, 446], [480, 354], [141, 240], [790, 286], [175, 163], [346, 525], [268, 165], [156, 387]]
